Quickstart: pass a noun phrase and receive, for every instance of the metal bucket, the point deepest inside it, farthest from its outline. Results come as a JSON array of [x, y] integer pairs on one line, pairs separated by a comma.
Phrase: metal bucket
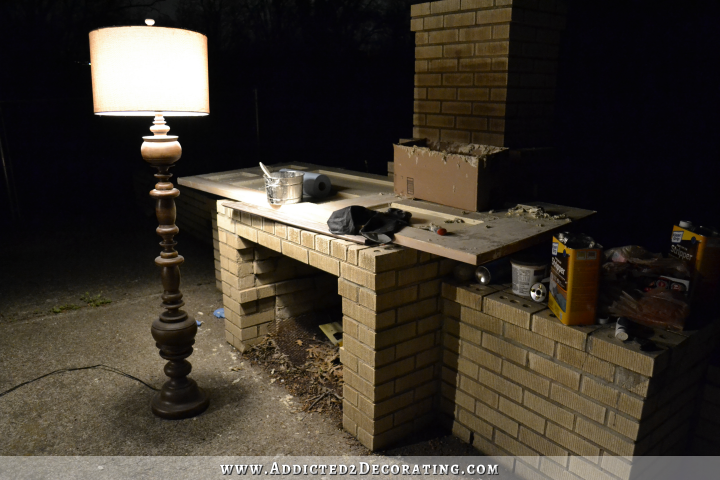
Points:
[[284, 188]]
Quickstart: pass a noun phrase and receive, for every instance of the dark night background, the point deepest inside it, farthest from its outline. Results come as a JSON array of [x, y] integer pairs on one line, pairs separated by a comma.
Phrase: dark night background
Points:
[[636, 118]]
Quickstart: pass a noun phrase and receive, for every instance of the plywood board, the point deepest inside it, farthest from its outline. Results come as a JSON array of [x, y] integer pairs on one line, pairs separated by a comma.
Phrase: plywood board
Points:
[[473, 237]]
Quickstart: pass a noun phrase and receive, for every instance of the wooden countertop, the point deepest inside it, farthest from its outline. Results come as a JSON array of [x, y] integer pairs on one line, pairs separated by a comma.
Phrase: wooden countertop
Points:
[[473, 237]]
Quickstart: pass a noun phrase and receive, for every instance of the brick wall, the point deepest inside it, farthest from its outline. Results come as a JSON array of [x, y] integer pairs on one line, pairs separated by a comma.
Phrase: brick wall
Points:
[[516, 381], [706, 440], [391, 314], [486, 70]]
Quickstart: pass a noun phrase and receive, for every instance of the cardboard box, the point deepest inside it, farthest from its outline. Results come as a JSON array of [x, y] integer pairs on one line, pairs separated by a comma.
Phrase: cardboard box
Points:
[[456, 175]]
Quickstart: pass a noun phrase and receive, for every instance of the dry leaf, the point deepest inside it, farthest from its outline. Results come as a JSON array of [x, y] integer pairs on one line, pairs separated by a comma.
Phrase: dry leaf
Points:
[[299, 342]]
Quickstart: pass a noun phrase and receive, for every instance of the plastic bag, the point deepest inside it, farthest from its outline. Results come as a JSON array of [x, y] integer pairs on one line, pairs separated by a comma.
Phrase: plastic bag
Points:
[[656, 308], [644, 261]]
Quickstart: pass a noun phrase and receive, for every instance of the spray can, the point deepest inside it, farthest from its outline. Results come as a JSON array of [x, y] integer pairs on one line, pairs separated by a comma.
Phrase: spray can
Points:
[[497, 271]]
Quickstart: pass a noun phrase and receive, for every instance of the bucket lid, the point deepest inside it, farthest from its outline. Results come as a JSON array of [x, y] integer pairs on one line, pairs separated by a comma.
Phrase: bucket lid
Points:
[[528, 261]]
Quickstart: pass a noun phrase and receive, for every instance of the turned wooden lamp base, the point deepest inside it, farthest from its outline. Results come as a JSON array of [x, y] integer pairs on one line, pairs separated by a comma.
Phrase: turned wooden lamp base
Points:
[[174, 331]]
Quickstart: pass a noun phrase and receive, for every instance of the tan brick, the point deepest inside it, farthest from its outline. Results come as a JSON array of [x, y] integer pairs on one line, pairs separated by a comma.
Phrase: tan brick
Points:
[[416, 24], [474, 4], [500, 32], [460, 80], [526, 378], [444, 6], [383, 259], [417, 274], [469, 295], [415, 346], [268, 226], [471, 421], [429, 289], [414, 379], [443, 36], [555, 471], [481, 320], [348, 360], [450, 309], [324, 262], [417, 310], [632, 381], [586, 469], [367, 279], [307, 239], [623, 425], [419, 9], [353, 253], [542, 445], [466, 367], [468, 333], [475, 64], [247, 232], [368, 317], [386, 338], [496, 418], [257, 318], [480, 356], [511, 308], [603, 437], [571, 441], [380, 375], [634, 407], [256, 221], [280, 230], [605, 346], [477, 391], [322, 244], [295, 251], [475, 34], [238, 283], [367, 390], [293, 234], [547, 324], [575, 402], [348, 290], [505, 349], [459, 20], [491, 79], [244, 296], [237, 242], [500, 384], [290, 286], [616, 465], [549, 410], [384, 407], [605, 393], [585, 362], [458, 50], [518, 449], [532, 340], [550, 369], [442, 65], [500, 15], [492, 48], [522, 415], [269, 241]]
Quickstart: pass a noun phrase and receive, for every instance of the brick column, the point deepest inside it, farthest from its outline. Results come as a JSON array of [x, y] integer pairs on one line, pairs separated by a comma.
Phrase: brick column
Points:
[[391, 318], [391, 342], [486, 70]]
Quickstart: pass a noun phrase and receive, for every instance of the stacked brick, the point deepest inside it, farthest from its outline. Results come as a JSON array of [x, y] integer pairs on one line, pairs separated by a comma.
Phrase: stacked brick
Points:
[[391, 342], [391, 314], [569, 400], [486, 70]]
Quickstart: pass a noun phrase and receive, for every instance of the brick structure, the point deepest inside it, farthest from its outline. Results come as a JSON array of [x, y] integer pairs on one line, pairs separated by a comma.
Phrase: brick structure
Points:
[[486, 70], [516, 381], [391, 314]]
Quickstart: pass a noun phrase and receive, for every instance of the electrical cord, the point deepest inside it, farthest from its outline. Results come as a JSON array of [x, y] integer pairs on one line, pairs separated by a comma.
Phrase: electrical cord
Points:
[[63, 370]]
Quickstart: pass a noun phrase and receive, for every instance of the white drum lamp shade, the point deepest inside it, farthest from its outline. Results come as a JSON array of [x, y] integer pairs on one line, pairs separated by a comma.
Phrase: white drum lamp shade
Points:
[[146, 70]]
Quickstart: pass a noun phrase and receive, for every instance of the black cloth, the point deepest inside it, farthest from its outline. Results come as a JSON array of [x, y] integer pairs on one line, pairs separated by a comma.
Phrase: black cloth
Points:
[[376, 227]]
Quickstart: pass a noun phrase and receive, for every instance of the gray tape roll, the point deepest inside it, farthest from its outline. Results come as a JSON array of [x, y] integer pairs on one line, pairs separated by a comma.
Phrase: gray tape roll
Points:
[[314, 184]]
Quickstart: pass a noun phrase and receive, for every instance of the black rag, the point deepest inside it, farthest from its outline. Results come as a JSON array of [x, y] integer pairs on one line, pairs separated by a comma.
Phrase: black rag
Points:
[[376, 227]]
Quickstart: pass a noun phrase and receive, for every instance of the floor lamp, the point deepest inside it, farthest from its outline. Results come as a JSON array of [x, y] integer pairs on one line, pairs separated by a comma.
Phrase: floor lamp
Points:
[[155, 71]]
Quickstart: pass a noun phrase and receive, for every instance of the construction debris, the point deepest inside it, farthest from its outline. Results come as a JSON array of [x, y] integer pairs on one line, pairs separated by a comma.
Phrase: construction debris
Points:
[[317, 383], [534, 212]]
